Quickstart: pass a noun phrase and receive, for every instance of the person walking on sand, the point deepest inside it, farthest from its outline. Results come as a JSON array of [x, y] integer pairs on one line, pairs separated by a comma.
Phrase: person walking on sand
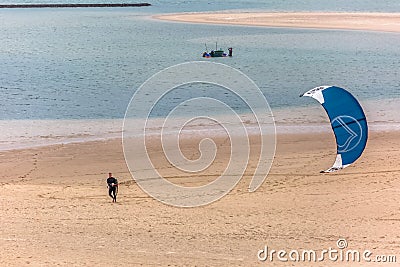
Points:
[[112, 185]]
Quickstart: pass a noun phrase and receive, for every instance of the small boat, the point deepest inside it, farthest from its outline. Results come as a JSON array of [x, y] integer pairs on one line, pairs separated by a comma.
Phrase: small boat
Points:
[[217, 52]]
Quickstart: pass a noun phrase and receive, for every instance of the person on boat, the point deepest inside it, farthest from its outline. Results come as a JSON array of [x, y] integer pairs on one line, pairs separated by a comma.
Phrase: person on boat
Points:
[[212, 53], [230, 51], [112, 184]]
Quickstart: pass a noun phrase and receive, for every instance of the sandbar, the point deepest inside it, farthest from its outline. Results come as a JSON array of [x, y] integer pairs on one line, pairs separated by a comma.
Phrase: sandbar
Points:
[[386, 22]]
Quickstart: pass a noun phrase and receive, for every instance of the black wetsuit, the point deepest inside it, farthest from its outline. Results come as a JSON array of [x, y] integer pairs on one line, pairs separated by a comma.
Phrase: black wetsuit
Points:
[[112, 188]]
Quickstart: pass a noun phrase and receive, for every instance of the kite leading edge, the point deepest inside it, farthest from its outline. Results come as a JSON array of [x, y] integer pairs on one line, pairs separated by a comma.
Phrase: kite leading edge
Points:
[[347, 120]]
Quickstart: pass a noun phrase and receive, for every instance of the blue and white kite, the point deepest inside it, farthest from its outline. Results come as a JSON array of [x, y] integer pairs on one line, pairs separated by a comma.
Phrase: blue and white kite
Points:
[[348, 123]]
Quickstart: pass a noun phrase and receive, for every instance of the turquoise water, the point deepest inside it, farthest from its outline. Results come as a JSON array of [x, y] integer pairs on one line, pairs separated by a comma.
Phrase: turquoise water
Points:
[[85, 64]]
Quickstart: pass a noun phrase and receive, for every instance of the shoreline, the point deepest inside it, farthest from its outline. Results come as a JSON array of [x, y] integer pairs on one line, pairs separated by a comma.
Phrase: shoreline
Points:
[[365, 21], [42, 133], [282, 129]]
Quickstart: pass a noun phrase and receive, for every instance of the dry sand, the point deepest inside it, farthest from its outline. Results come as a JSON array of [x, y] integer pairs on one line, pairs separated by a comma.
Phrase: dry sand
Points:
[[55, 209], [388, 22]]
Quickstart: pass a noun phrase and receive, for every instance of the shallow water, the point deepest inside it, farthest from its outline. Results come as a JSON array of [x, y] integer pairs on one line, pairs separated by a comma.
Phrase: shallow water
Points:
[[84, 65]]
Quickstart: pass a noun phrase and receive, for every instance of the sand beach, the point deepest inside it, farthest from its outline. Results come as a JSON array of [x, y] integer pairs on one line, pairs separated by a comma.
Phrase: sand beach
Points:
[[55, 208]]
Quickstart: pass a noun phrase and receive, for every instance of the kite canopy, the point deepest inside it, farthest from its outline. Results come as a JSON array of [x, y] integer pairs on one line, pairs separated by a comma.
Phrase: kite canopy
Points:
[[347, 120]]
